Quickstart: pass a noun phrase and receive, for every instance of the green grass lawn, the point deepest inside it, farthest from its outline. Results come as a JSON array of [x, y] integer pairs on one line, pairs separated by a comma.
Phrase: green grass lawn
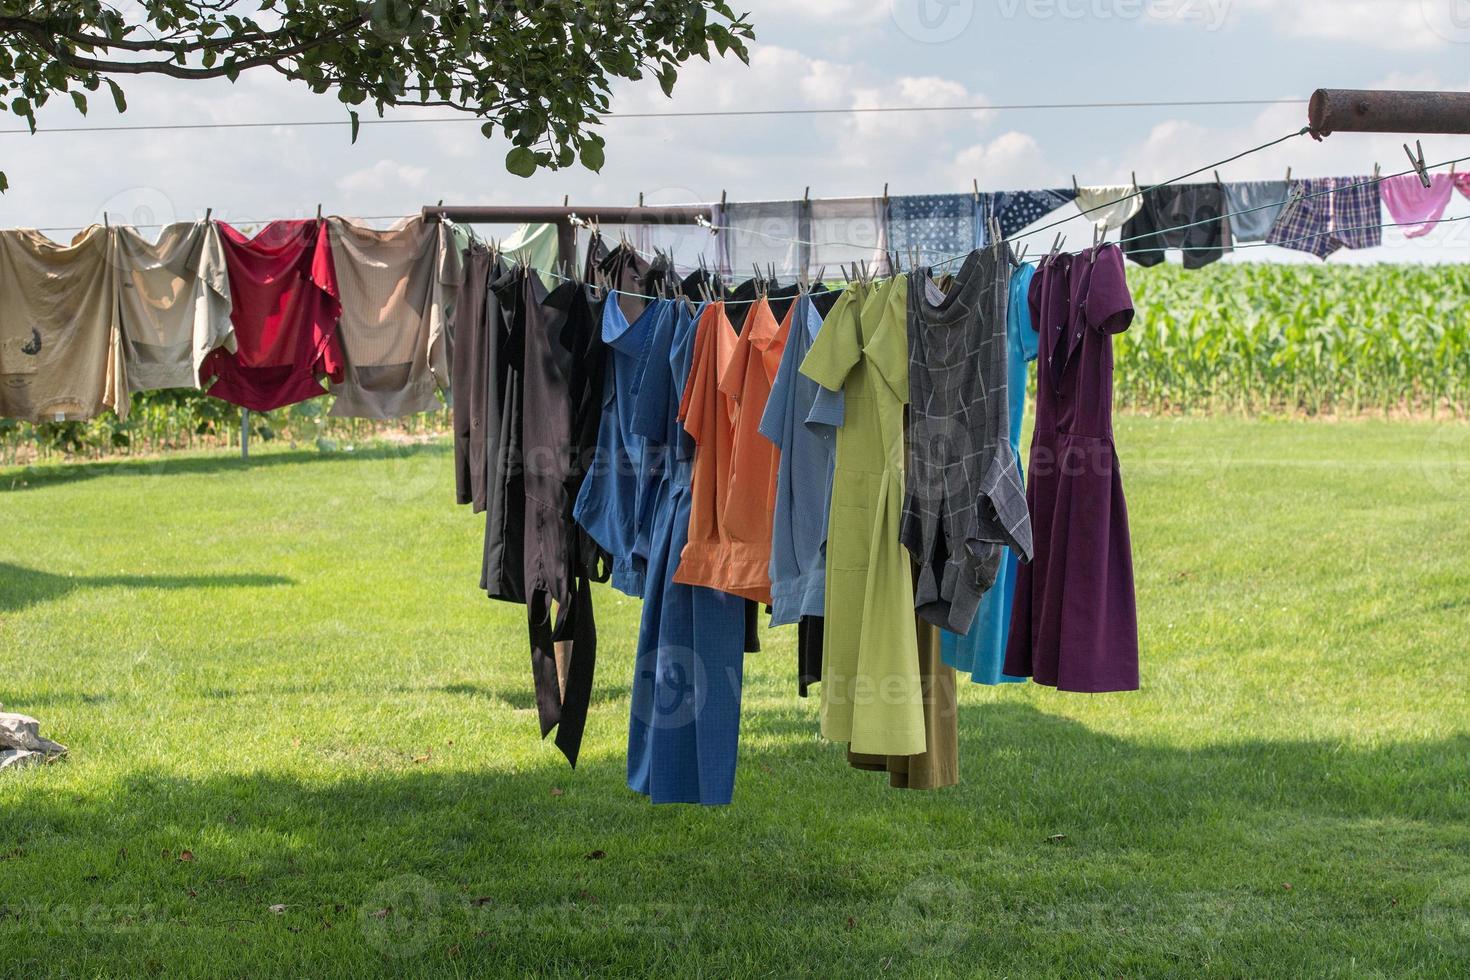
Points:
[[302, 743]]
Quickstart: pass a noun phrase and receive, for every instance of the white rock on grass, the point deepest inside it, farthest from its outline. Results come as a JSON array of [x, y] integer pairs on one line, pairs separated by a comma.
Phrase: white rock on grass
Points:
[[15, 758], [21, 732]]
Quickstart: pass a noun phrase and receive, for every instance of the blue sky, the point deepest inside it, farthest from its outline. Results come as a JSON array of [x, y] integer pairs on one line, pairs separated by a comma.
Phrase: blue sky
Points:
[[813, 53]]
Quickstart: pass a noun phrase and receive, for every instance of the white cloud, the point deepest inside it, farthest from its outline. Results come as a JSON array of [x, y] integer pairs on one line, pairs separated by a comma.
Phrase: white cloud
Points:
[[383, 176], [1011, 160], [1392, 24], [817, 11], [911, 128]]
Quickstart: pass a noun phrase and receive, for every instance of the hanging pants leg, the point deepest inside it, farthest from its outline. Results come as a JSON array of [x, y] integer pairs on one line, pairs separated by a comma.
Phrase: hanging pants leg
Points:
[[564, 706]]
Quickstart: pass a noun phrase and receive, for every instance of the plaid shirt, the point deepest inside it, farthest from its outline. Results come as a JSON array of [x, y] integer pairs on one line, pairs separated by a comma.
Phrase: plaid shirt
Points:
[[963, 497], [1325, 214]]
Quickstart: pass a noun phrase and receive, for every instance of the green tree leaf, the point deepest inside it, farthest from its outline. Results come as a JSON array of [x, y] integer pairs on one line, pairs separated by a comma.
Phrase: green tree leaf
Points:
[[521, 161]]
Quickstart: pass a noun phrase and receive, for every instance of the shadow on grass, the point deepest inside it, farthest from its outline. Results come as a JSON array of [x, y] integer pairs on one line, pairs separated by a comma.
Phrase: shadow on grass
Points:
[[53, 474], [1109, 834], [21, 587]]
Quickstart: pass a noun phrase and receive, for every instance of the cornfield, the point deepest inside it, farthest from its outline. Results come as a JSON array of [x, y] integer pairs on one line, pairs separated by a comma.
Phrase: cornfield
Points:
[[180, 419], [1298, 339]]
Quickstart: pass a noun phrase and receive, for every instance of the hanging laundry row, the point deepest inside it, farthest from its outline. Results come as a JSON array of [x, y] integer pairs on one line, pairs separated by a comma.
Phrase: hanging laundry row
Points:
[[1201, 220], [845, 458], [257, 321]]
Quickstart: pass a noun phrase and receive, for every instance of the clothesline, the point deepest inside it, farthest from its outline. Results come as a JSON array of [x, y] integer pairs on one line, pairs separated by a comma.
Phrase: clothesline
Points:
[[1139, 192], [950, 259], [1185, 248], [1303, 197]]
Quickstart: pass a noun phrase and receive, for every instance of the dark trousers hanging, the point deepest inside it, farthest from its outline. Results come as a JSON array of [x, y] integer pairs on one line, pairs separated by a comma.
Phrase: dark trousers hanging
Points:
[[564, 707]]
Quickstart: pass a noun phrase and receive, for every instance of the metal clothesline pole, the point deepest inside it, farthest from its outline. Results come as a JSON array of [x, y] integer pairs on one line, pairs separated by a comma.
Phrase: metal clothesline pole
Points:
[[678, 214], [1338, 110]]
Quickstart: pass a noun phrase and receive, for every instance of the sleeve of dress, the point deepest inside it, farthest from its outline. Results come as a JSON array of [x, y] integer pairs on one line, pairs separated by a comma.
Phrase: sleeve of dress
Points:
[[732, 378], [651, 403], [1109, 304], [887, 348], [773, 419], [324, 276], [217, 329], [836, 350], [447, 278], [1027, 333], [692, 397]]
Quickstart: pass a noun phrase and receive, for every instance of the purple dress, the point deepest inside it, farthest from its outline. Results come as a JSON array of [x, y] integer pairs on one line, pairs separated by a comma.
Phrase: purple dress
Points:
[[1073, 625]]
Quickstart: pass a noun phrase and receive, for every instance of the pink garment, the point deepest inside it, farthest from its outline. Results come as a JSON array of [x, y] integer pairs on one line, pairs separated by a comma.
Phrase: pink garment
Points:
[[1462, 183], [1416, 207]]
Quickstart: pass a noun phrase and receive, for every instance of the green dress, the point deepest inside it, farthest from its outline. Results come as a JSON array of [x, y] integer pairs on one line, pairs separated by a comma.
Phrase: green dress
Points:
[[872, 694]]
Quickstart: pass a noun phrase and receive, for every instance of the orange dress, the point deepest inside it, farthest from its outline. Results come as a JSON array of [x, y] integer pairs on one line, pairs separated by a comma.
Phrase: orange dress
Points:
[[750, 505], [715, 556]]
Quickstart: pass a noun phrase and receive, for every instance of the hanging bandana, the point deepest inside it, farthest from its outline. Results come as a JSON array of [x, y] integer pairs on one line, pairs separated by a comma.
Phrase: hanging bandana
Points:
[[1018, 209]]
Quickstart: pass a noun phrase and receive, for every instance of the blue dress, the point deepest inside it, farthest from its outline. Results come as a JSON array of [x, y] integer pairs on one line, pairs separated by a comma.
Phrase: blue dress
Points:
[[684, 727], [618, 488], [982, 651]]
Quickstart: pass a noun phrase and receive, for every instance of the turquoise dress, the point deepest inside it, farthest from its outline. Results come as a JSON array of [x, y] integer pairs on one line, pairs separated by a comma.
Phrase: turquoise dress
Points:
[[981, 653]]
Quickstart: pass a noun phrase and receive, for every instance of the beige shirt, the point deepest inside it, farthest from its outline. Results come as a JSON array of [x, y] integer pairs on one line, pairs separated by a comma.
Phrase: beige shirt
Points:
[[173, 303], [392, 327], [60, 348], [1114, 204]]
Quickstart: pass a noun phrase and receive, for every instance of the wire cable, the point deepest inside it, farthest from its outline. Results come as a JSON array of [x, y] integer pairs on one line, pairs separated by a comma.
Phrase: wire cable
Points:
[[677, 114]]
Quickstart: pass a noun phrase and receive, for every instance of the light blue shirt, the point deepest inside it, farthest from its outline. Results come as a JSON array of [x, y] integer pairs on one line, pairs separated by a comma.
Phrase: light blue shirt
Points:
[[801, 418]]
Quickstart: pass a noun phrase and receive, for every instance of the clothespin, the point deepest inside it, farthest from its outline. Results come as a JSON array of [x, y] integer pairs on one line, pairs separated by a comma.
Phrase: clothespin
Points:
[[566, 199], [1075, 188], [318, 212], [722, 199], [885, 193], [1418, 163], [107, 225], [640, 199], [1021, 259], [1288, 175], [1378, 171], [821, 273], [1218, 180], [1134, 175], [975, 186], [806, 195], [210, 211]]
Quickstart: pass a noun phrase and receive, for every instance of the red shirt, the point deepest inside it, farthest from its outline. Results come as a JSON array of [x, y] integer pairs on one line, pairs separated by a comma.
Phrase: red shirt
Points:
[[284, 289]]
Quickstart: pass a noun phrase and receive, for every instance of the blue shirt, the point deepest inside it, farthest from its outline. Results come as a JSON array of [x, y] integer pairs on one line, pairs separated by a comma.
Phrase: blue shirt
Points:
[[618, 487], [801, 418], [982, 651]]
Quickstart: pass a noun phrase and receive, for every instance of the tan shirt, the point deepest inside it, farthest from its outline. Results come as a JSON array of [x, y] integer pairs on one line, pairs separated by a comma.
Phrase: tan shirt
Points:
[[393, 315], [173, 303], [60, 349]]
